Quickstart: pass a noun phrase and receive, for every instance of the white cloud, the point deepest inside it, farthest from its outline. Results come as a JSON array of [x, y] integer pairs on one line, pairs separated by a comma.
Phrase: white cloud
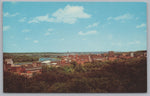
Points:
[[26, 38], [50, 29], [126, 16], [26, 30], [109, 18], [10, 15], [5, 28], [23, 19], [134, 42], [6, 14], [40, 19], [93, 25], [35, 41], [141, 25], [47, 33], [87, 33], [69, 15]]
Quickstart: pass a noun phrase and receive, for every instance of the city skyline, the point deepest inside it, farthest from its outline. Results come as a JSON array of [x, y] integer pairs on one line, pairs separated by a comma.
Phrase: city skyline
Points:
[[74, 26]]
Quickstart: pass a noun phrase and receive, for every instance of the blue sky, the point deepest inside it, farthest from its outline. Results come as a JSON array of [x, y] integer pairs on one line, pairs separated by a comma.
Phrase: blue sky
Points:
[[74, 26]]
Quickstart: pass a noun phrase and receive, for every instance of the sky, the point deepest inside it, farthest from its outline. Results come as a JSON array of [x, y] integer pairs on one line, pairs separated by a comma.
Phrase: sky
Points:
[[74, 26]]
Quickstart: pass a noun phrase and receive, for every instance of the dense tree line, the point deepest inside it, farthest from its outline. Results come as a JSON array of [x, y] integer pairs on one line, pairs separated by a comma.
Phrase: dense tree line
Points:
[[22, 58], [129, 75]]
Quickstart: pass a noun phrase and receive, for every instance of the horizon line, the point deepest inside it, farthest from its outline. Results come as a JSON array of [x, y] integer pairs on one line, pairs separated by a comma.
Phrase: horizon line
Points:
[[75, 51]]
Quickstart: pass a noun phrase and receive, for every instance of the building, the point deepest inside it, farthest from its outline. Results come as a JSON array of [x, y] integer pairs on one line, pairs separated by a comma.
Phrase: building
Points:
[[16, 69], [34, 70], [132, 54], [7, 64], [46, 63], [111, 53]]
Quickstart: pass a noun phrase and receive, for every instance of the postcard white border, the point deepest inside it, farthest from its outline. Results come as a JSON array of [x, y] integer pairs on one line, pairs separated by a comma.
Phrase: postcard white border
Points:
[[75, 94]]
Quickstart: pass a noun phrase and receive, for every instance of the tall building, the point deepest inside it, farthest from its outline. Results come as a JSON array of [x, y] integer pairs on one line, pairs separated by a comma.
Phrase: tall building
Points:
[[90, 60], [132, 54]]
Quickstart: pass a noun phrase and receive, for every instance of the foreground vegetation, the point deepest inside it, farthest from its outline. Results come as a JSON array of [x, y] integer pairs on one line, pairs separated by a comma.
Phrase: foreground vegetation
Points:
[[128, 75]]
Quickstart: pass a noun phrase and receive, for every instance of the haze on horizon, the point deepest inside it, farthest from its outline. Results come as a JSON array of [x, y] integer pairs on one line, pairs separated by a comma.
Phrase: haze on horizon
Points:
[[74, 26]]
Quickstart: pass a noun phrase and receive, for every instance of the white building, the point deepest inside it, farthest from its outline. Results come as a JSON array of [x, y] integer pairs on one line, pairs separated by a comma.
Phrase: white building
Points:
[[132, 54]]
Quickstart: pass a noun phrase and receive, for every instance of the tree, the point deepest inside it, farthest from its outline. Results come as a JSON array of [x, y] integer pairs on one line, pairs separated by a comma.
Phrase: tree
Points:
[[74, 64]]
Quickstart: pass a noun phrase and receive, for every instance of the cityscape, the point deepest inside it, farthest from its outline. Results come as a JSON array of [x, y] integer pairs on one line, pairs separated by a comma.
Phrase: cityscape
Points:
[[35, 67]]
